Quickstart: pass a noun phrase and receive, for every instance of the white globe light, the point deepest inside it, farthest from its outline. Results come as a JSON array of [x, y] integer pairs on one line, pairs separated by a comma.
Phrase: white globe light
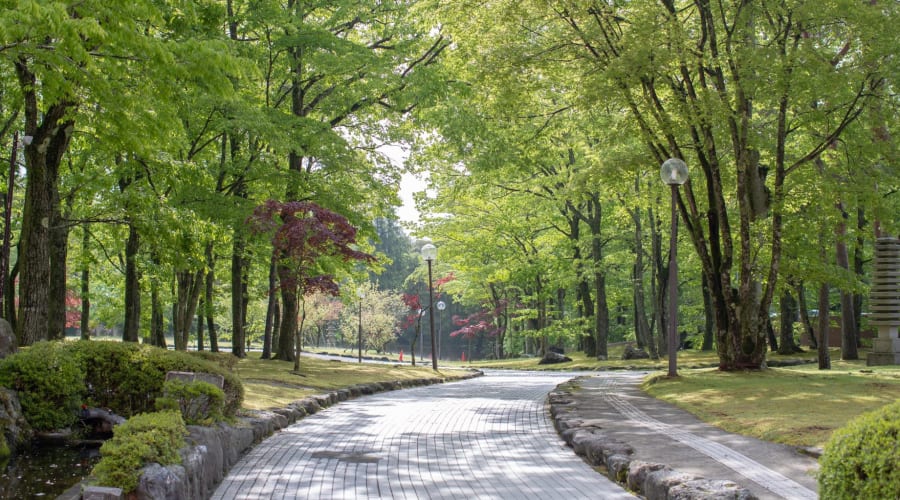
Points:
[[429, 252], [674, 171]]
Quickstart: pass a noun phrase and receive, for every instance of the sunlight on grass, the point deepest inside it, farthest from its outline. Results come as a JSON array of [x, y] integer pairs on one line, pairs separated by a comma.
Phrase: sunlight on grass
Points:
[[795, 406], [274, 384]]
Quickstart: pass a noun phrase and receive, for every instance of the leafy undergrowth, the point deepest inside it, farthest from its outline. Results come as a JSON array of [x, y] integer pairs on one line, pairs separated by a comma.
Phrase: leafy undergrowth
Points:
[[274, 384]]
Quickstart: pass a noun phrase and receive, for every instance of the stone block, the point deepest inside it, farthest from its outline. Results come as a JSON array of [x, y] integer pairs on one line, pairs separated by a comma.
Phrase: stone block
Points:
[[102, 493]]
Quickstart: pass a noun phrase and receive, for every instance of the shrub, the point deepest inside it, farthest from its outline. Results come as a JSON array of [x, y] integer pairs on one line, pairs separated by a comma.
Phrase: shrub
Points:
[[128, 377], [200, 403], [49, 382], [862, 459], [143, 439]]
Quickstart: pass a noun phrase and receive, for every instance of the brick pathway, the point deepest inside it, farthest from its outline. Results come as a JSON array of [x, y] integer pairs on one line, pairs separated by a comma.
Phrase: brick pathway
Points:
[[485, 438]]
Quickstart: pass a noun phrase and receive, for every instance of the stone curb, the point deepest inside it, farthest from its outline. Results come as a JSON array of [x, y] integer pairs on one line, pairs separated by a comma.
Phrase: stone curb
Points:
[[210, 452], [652, 481]]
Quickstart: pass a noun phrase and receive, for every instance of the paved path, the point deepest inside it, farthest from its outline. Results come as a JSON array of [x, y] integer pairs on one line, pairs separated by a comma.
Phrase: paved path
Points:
[[661, 433], [486, 438]]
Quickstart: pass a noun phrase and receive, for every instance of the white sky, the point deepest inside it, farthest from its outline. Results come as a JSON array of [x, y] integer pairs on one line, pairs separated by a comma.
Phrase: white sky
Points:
[[409, 184]]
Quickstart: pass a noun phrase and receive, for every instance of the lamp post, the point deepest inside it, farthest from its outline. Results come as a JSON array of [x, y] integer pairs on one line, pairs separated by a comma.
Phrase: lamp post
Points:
[[440, 307], [361, 293], [674, 172], [429, 253]]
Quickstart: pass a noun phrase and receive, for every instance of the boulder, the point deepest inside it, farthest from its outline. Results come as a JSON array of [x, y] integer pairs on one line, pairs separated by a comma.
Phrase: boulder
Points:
[[553, 358], [632, 352], [8, 342], [705, 489], [12, 423]]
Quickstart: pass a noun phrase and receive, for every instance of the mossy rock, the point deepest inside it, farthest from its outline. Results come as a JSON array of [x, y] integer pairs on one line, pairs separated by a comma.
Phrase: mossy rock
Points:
[[143, 439]]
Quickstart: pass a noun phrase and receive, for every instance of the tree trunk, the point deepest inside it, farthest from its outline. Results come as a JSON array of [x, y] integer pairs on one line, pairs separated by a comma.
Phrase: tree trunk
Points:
[[132, 287], [59, 249], [200, 318], [157, 318], [51, 132], [210, 306], [709, 319], [601, 307], [641, 325], [10, 306], [658, 284], [7, 202], [85, 284], [270, 311], [574, 217], [189, 286], [787, 316], [860, 271], [849, 335], [291, 308], [276, 324], [824, 357], [237, 301]]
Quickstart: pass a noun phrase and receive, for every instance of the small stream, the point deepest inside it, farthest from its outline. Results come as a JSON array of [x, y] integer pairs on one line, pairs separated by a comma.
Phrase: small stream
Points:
[[45, 471]]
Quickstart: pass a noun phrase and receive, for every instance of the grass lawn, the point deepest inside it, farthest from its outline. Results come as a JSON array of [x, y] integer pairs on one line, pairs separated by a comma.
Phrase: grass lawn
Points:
[[273, 384], [798, 405]]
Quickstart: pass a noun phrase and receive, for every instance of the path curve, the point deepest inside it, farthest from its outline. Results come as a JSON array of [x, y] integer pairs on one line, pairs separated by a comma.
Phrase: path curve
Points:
[[485, 438]]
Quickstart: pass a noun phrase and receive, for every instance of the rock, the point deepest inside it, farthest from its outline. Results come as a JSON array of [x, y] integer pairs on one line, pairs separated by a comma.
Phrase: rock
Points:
[[705, 489], [162, 482], [15, 429], [188, 377], [632, 352], [100, 421], [657, 484], [553, 358], [8, 342], [638, 472], [102, 493]]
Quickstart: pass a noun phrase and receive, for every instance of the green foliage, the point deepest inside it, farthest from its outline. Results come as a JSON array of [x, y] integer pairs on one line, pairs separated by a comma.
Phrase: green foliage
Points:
[[49, 383], [146, 438], [200, 403], [128, 377], [862, 460]]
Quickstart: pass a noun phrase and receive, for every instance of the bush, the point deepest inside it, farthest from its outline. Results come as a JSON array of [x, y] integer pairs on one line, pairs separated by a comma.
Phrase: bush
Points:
[[862, 459], [143, 439], [200, 403], [128, 377], [49, 382]]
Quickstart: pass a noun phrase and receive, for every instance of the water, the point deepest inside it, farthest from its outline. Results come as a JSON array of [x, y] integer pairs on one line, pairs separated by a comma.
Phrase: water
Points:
[[46, 471]]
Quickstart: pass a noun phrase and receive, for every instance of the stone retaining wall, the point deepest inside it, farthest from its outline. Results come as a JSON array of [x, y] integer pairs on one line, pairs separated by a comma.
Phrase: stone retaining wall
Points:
[[650, 480], [210, 452]]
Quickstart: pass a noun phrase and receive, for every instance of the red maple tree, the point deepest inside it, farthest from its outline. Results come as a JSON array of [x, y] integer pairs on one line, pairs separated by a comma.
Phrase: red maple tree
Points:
[[306, 239]]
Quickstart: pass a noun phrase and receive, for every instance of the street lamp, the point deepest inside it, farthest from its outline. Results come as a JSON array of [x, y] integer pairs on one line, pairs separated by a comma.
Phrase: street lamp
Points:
[[361, 293], [440, 307], [674, 172], [429, 253]]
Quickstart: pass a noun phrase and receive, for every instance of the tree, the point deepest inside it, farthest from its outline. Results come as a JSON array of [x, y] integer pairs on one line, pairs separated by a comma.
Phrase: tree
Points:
[[311, 243], [688, 77], [382, 311]]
